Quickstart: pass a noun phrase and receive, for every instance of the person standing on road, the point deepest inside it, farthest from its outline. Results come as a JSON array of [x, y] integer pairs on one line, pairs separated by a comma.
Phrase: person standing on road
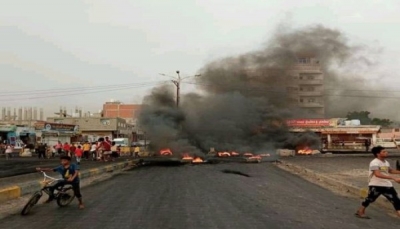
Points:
[[72, 149], [59, 147], [9, 151], [93, 151], [66, 149], [136, 150], [78, 154], [107, 149], [379, 182], [41, 151], [114, 151], [86, 150]]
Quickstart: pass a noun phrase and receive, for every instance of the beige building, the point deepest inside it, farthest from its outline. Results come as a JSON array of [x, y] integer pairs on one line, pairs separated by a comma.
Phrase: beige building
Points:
[[306, 86], [91, 128]]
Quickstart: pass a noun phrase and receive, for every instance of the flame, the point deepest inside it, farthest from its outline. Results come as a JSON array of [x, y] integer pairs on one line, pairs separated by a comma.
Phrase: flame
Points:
[[224, 154], [166, 152], [187, 157], [305, 151], [197, 160], [248, 155], [256, 157], [235, 154]]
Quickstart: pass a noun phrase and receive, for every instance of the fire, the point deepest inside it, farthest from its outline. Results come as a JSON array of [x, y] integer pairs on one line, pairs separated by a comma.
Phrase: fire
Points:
[[255, 157], [166, 152], [305, 151], [248, 154], [197, 160], [252, 158], [187, 157], [224, 154], [235, 154]]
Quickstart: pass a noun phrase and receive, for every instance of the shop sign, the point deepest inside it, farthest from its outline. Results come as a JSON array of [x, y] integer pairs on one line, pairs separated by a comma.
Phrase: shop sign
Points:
[[8, 128], [56, 127], [308, 122]]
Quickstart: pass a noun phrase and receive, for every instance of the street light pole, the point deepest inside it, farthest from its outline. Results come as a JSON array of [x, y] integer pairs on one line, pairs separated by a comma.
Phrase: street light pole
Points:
[[177, 81], [178, 89]]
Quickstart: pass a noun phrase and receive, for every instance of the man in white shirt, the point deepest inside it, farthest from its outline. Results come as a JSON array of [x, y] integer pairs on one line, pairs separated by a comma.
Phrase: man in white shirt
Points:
[[379, 182]]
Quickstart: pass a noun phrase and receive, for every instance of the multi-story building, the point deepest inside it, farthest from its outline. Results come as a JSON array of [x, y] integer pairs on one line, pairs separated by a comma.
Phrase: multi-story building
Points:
[[306, 86], [116, 109]]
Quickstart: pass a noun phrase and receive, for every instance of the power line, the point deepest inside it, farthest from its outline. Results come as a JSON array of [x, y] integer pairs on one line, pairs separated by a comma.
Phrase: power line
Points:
[[80, 93], [56, 90]]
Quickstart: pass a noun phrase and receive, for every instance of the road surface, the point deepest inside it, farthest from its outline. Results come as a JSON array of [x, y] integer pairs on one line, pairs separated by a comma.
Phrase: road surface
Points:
[[204, 197]]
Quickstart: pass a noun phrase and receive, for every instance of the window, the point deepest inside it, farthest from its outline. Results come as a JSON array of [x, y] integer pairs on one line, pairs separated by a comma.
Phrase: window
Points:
[[311, 100], [310, 77], [301, 100], [310, 89], [304, 60]]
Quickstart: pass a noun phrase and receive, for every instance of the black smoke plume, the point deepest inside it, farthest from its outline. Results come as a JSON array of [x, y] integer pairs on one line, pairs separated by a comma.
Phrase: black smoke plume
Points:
[[246, 101]]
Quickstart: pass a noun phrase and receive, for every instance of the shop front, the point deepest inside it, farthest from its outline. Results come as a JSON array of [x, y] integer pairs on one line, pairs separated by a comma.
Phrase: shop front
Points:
[[8, 134], [338, 137], [51, 133], [344, 138]]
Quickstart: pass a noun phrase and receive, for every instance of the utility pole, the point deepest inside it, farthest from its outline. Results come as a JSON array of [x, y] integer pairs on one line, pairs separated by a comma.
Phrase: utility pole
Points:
[[178, 88], [177, 82]]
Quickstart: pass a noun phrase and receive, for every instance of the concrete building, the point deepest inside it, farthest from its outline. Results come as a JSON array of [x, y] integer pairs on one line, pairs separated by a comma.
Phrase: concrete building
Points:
[[27, 116], [306, 86], [50, 132], [116, 109], [91, 128]]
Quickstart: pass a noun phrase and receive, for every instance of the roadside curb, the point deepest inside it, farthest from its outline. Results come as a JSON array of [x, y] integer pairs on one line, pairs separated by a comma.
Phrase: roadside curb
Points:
[[17, 191], [321, 178]]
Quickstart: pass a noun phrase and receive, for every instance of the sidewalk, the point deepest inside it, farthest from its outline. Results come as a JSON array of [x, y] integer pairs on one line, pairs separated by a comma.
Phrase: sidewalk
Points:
[[338, 173]]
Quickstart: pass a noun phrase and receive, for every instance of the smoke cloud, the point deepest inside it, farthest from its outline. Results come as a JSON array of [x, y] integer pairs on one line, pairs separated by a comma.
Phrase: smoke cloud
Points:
[[245, 101]]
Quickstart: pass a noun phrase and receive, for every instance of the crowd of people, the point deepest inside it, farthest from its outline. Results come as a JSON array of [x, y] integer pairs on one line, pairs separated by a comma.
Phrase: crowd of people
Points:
[[102, 150]]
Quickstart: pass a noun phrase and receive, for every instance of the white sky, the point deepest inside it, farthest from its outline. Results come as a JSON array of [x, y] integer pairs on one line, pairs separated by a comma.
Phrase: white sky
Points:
[[49, 44]]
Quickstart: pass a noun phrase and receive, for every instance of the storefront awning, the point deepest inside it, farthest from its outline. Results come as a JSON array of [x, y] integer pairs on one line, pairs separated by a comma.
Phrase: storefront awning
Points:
[[341, 130]]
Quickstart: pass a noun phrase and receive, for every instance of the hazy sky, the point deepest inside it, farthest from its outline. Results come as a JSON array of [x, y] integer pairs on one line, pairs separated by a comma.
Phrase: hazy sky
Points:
[[87, 44]]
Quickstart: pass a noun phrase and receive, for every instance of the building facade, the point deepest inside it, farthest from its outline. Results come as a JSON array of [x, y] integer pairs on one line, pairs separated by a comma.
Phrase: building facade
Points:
[[306, 86], [116, 109], [337, 136], [92, 128], [51, 132]]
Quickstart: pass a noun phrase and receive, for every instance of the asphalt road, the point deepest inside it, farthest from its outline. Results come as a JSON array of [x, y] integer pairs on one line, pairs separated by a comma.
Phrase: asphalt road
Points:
[[204, 197]]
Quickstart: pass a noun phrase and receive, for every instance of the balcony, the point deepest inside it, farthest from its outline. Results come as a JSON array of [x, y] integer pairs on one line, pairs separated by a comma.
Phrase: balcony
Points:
[[310, 93], [310, 82], [298, 82], [311, 105], [306, 67]]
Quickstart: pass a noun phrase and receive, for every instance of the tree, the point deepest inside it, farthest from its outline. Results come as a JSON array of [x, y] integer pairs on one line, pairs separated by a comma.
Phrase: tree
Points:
[[364, 118], [381, 122]]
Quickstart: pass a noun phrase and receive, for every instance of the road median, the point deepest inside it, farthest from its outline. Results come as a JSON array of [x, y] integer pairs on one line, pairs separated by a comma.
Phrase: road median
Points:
[[18, 190]]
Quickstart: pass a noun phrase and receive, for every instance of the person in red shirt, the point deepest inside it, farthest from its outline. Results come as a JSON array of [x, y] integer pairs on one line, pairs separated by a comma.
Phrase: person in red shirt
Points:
[[107, 149], [72, 149], [66, 149], [78, 154]]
